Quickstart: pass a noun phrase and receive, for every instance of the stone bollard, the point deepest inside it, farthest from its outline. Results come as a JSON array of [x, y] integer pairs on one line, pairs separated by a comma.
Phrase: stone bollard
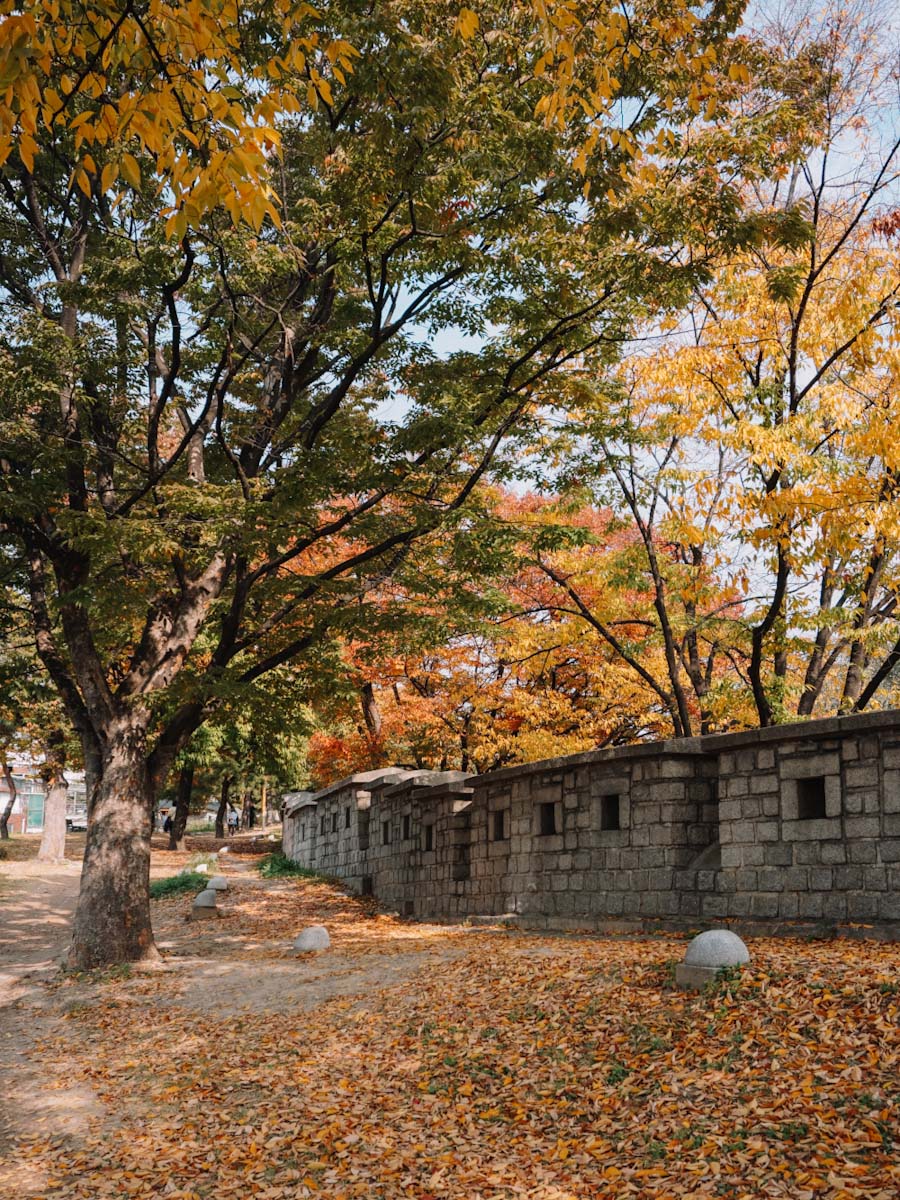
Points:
[[707, 954], [314, 938], [204, 906], [218, 883]]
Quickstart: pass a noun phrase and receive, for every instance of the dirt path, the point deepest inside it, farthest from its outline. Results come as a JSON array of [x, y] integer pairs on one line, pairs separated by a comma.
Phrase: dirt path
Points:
[[242, 963], [36, 905]]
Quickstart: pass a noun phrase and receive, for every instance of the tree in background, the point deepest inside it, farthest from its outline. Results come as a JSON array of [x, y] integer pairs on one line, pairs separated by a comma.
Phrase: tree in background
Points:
[[752, 442], [33, 726], [511, 676]]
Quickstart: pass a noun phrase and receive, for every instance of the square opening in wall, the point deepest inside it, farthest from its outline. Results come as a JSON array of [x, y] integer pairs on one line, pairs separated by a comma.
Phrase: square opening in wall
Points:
[[811, 798], [429, 837], [385, 833], [500, 825], [610, 812], [346, 818], [547, 818], [407, 827], [365, 886], [322, 825], [334, 822]]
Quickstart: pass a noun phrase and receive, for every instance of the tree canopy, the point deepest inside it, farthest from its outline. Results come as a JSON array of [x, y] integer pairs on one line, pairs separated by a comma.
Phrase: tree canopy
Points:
[[280, 286]]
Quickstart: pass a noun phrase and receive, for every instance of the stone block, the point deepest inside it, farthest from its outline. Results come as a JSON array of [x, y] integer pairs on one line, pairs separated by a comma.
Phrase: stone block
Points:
[[218, 883], [889, 906], [862, 827], [820, 879], [762, 905], [862, 852], [763, 783], [876, 879], [861, 906], [865, 775], [676, 768], [810, 905], [770, 879], [833, 852], [835, 907], [778, 854], [811, 831], [890, 850]]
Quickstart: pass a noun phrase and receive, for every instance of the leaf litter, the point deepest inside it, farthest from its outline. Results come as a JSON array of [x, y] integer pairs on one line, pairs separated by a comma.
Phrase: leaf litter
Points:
[[500, 1064]]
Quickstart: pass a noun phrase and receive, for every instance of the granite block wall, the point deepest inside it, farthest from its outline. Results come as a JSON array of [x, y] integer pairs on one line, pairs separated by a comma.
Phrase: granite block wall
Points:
[[791, 826]]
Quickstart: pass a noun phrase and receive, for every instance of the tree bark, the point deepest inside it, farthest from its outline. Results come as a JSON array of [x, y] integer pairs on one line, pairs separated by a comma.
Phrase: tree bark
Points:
[[112, 917], [10, 803], [370, 710], [182, 808], [53, 838], [222, 811]]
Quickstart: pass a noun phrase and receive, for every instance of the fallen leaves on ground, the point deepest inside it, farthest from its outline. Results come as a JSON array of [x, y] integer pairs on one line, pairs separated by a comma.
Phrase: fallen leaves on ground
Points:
[[518, 1066]]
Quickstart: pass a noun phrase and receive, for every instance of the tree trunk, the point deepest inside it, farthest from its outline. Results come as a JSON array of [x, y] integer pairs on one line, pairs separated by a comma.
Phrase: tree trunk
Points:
[[245, 810], [371, 711], [182, 808], [10, 803], [222, 811], [53, 838], [112, 917]]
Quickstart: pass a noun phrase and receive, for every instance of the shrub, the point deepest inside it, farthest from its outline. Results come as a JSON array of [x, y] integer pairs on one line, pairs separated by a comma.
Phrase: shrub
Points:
[[279, 866], [178, 885]]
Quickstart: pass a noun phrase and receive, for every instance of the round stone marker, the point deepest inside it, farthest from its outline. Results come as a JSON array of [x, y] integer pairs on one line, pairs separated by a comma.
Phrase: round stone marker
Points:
[[707, 954], [204, 906], [314, 938], [218, 883]]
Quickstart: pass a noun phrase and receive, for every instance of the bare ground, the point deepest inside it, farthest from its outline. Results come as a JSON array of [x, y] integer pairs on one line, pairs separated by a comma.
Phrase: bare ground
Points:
[[241, 963], [419, 1062]]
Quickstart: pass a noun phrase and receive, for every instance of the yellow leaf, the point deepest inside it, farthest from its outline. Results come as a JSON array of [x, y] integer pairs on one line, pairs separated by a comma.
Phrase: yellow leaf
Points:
[[467, 23], [131, 170]]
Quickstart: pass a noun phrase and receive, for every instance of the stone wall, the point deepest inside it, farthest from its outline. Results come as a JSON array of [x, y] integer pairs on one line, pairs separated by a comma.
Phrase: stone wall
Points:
[[794, 825]]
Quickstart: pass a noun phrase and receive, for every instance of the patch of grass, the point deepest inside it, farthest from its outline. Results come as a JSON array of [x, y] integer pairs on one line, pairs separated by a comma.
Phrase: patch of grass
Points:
[[278, 866], [178, 885], [207, 858]]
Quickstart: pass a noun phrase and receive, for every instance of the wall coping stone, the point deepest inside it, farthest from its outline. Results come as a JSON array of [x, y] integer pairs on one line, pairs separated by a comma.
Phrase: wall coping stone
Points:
[[707, 746]]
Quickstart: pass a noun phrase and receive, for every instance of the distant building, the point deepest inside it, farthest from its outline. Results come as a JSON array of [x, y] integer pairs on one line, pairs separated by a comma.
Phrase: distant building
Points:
[[28, 810]]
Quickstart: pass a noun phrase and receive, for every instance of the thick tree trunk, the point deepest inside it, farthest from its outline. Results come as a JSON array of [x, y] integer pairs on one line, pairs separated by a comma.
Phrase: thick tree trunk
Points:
[[112, 918], [222, 811], [182, 808], [53, 838], [10, 803]]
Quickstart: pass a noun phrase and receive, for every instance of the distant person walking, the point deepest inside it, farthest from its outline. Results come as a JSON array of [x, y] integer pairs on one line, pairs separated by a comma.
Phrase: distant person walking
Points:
[[232, 821]]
